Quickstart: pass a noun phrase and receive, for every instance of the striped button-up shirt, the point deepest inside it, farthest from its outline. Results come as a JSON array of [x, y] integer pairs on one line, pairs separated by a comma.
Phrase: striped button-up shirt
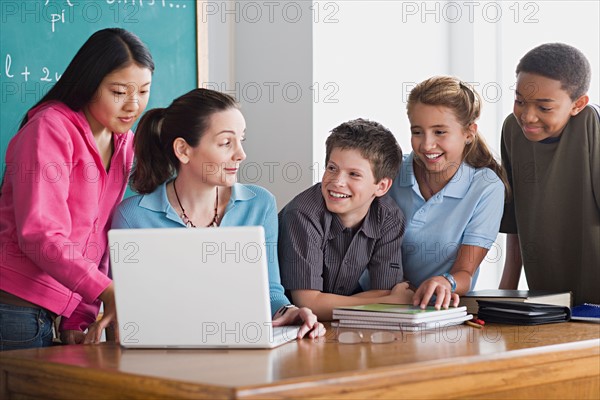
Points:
[[316, 252]]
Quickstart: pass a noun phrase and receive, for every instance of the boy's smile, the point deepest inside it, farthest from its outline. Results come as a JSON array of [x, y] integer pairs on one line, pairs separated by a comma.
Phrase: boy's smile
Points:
[[349, 186], [542, 107], [337, 195]]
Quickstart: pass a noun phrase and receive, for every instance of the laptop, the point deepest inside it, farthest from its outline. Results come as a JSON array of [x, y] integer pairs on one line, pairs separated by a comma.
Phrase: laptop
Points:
[[194, 288]]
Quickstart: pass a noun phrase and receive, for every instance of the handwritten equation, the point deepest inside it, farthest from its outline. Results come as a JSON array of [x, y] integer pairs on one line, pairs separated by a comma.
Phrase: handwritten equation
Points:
[[24, 73], [122, 10], [57, 13]]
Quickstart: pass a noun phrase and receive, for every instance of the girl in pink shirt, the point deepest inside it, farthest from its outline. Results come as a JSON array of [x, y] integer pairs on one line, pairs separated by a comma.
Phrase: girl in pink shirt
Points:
[[66, 171]]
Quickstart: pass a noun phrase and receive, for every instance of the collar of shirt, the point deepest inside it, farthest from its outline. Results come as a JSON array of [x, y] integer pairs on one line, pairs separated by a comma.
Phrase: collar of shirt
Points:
[[157, 200], [457, 187], [369, 226]]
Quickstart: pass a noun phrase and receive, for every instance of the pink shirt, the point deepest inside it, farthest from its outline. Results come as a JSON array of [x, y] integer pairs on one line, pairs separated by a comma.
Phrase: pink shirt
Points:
[[55, 210]]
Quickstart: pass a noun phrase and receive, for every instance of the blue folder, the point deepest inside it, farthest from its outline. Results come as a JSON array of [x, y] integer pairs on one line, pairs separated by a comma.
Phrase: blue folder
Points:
[[586, 312]]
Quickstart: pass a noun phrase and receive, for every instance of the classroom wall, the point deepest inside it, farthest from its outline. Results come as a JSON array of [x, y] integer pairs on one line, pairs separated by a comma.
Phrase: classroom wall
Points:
[[365, 53], [262, 54]]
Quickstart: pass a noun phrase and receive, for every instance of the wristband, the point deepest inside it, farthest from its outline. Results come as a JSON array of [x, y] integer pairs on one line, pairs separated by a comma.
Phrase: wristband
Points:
[[450, 279], [283, 309]]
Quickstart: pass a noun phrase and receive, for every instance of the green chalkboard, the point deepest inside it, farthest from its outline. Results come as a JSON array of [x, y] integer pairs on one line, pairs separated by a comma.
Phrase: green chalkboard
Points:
[[38, 38]]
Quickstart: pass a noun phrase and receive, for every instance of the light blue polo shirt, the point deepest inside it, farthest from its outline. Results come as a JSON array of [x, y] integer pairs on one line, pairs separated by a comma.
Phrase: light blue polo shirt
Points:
[[249, 205], [466, 211]]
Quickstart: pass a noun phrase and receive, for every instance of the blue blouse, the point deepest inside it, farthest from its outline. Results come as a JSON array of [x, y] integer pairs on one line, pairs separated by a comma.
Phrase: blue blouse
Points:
[[467, 211], [249, 205]]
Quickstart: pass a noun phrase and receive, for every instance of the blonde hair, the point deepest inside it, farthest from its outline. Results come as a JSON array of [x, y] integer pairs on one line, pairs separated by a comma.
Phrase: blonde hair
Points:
[[465, 103]]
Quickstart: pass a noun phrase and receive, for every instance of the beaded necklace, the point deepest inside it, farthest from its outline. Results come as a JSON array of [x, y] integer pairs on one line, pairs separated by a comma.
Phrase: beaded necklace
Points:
[[187, 221]]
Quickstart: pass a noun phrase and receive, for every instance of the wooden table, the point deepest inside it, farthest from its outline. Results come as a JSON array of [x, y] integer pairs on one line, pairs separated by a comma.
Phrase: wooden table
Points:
[[547, 361]]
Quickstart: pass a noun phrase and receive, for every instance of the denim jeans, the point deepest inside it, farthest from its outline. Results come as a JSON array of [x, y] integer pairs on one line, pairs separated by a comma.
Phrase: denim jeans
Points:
[[24, 327]]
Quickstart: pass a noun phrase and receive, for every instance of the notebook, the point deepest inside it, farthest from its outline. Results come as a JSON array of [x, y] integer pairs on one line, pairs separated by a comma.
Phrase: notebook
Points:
[[396, 312], [456, 319], [194, 288]]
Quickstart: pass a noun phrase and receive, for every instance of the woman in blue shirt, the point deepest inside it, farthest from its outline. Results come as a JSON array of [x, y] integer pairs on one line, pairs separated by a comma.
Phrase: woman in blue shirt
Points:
[[187, 159], [451, 190]]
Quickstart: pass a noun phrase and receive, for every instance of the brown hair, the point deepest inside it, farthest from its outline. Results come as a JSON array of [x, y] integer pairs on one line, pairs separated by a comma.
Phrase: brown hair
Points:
[[188, 117], [465, 103], [374, 142]]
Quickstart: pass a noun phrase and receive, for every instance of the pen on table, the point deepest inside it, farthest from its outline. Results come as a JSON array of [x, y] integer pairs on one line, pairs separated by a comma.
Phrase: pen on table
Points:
[[473, 324]]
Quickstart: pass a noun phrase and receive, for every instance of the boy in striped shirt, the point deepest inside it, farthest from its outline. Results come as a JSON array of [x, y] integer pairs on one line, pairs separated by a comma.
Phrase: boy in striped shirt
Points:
[[333, 232]]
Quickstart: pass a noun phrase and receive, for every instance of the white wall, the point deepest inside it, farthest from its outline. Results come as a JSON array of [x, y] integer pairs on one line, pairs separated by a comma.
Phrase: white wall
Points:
[[372, 58], [267, 51], [360, 58]]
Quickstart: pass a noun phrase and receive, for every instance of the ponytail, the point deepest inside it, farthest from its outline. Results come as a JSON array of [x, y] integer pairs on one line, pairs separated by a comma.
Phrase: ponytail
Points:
[[152, 166], [478, 155]]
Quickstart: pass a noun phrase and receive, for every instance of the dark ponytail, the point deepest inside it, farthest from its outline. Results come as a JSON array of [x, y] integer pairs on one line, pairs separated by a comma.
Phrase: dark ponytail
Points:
[[188, 117], [154, 167]]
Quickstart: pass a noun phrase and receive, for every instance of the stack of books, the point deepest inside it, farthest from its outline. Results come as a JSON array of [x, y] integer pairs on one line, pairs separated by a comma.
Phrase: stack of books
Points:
[[469, 300], [398, 317]]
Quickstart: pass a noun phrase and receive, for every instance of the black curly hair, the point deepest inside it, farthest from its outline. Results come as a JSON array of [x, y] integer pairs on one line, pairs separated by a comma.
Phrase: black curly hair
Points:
[[560, 62]]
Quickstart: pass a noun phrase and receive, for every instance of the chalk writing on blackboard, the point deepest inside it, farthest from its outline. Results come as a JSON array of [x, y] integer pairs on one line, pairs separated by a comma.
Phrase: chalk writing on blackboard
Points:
[[39, 38], [56, 13], [45, 74], [130, 9]]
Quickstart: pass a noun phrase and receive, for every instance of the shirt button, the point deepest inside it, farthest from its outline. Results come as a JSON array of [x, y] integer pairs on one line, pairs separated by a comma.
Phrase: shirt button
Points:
[[421, 211]]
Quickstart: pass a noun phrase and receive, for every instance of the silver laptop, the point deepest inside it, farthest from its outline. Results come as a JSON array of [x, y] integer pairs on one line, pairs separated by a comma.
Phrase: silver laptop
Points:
[[194, 288]]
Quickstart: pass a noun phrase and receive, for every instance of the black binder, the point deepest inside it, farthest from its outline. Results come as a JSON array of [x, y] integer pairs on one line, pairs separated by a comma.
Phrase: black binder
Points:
[[517, 313]]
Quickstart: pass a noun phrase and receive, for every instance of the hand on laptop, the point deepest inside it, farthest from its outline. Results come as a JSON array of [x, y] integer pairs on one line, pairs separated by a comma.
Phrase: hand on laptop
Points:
[[294, 315]]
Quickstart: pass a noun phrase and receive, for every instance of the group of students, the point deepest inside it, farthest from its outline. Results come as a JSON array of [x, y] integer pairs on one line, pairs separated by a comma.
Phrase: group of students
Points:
[[380, 226]]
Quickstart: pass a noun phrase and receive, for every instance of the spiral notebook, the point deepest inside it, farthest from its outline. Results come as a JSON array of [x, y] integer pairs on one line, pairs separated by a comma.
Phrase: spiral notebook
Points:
[[586, 312]]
